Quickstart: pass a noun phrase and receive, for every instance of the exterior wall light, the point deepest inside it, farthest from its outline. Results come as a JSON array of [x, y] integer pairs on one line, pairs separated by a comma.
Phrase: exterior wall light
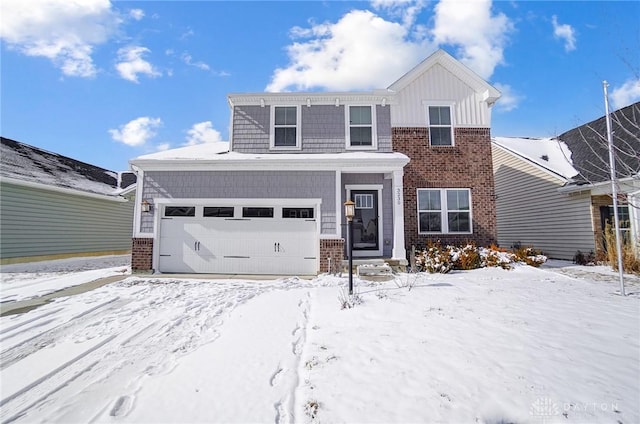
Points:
[[146, 206]]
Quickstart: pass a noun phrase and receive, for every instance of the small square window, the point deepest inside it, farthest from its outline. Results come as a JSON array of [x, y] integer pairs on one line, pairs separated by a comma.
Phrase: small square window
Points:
[[179, 211], [219, 212]]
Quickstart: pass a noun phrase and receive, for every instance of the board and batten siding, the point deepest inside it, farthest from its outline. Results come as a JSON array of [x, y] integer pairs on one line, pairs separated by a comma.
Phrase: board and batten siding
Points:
[[242, 185], [440, 84], [322, 128], [37, 222], [532, 212]]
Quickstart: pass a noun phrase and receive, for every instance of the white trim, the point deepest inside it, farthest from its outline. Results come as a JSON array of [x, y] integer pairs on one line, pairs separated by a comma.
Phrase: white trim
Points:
[[137, 212], [398, 249], [361, 162], [339, 205], [316, 98], [272, 126], [426, 104], [378, 188], [443, 211], [114, 198], [374, 126]]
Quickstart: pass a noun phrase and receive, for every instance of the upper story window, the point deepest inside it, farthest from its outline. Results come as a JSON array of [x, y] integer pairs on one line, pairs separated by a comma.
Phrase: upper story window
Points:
[[440, 126], [361, 126], [444, 211], [285, 128]]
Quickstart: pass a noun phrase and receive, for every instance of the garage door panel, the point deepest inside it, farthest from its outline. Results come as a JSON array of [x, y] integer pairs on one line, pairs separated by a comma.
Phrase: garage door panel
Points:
[[238, 246]]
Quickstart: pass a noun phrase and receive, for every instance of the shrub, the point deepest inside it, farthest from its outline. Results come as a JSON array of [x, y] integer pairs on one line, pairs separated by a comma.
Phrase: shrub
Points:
[[584, 258], [630, 263], [468, 258], [438, 259], [434, 259]]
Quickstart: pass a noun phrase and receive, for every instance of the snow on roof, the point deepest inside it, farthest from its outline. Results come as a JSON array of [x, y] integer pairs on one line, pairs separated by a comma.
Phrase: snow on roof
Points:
[[548, 153], [33, 165], [219, 152], [202, 151]]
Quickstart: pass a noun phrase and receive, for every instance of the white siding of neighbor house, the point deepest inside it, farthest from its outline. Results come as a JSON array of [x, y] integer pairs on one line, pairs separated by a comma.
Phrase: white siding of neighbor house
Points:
[[532, 212], [439, 84], [39, 223]]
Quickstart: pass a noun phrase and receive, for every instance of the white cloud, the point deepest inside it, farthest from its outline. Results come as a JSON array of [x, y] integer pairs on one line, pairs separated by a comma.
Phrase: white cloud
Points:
[[564, 32], [353, 53], [136, 132], [202, 132], [509, 100], [131, 63], [626, 94], [188, 59], [480, 36], [163, 146], [63, 31], [136, 14]]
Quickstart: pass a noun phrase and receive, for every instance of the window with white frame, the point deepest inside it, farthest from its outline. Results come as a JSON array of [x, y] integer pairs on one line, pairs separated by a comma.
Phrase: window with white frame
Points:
[[284, 131], [361, 126], [440, 126], [444, 211]]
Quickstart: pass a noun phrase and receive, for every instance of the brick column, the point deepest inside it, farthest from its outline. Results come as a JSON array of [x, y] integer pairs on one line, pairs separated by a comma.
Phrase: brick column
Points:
[[142, 255], [334, 249]]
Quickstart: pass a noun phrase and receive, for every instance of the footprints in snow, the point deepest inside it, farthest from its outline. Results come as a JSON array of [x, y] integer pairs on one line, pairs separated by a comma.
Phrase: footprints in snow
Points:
[[122, 406]]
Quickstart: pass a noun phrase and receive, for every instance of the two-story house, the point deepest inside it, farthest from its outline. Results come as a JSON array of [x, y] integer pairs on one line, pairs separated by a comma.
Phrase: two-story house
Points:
[[273, 203]]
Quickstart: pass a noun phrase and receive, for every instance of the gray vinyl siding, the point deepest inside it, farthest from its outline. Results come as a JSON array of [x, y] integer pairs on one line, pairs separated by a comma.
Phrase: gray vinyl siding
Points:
[[386, 201], [40, 222], [531, 211], [323, 129], [243, 185]]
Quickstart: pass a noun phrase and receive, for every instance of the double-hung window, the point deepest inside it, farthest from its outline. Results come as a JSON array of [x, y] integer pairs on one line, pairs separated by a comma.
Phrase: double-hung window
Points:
[[361, 127], [444, 211], [440, 126], [285, 130]]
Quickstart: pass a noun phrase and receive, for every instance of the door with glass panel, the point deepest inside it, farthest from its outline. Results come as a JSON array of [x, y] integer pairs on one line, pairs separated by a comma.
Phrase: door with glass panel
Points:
[[366, 221]]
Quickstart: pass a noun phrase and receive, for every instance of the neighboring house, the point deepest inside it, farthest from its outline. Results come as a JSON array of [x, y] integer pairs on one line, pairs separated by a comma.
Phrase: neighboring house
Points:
[[52, 206], [555, 194], [273, 203]]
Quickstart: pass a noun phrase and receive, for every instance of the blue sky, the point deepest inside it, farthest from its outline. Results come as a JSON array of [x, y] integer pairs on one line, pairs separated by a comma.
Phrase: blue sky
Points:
[[106, 81]]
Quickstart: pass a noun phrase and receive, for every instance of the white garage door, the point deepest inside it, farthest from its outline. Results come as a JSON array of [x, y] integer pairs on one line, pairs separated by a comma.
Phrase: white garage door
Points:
[[278, 240]]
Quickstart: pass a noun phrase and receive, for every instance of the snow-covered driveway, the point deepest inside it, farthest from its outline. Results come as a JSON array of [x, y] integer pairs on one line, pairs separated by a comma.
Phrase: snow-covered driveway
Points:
[[488, 346]]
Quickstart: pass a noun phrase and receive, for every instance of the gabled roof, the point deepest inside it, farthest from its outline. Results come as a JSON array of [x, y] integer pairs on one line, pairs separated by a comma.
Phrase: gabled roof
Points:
[[24, 163], [589, 146], [550, 154], [440, 57]]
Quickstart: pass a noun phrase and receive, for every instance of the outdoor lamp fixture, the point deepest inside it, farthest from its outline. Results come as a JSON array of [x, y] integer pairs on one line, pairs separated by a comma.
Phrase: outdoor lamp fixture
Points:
[[349, 212], [146, 206]]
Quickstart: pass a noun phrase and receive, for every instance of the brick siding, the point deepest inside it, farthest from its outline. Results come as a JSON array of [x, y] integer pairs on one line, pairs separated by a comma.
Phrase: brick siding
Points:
[[334, 249], [142, 255], [467, 164]]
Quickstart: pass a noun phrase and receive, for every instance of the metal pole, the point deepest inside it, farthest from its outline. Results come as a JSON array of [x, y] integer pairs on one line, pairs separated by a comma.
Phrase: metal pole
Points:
[[350, 233], [614, 188]]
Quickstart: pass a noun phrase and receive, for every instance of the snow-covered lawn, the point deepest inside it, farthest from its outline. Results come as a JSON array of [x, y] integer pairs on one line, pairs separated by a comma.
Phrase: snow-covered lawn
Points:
[[488, 346]]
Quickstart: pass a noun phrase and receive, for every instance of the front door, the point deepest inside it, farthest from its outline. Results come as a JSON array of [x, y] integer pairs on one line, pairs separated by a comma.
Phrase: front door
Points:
[[366, 223]]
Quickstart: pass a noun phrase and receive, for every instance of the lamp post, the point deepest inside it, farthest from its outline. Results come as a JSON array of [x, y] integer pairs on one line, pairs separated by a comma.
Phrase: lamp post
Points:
[[349, 212]]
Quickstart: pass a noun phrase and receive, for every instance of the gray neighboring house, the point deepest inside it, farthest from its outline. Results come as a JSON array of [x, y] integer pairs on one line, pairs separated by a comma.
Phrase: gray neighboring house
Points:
[[555, 194], [53, 207]]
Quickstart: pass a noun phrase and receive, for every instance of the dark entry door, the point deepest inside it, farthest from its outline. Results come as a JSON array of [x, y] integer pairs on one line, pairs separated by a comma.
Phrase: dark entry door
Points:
[[366, 220]]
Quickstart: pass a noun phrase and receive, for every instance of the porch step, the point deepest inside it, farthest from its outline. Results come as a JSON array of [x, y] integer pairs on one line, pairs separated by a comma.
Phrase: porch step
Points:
[[371, 269]]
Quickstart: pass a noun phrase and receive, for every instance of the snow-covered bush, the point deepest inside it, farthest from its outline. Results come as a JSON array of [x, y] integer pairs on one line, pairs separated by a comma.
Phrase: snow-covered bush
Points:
[[436, 258]]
